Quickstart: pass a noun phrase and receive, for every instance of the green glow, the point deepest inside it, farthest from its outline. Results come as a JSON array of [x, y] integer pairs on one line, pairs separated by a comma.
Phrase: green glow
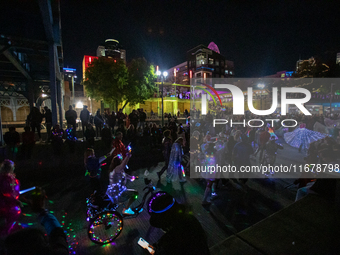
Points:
[[51, 202]]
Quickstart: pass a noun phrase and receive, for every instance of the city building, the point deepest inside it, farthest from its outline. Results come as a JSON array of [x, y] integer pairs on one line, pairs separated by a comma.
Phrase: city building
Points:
[[338, 58], [112, 49], [202, 61]]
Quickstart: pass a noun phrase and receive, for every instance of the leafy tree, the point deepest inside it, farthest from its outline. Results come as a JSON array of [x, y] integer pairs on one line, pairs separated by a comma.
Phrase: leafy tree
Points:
[[141, 81], [111, 81], [106, 79]]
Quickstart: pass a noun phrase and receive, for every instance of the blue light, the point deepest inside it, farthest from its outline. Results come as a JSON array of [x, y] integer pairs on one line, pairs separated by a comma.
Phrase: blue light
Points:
[[167, 208]]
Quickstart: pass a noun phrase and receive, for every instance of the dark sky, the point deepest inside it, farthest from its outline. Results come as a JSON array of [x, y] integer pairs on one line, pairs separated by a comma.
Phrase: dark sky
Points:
[[261, 37]]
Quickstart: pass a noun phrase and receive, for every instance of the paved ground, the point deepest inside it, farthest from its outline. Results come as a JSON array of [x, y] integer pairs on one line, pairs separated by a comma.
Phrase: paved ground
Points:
[[233, 211]]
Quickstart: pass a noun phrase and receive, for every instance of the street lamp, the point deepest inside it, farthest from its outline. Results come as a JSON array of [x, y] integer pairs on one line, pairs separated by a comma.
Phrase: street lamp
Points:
[[165, 74], [261, 86]]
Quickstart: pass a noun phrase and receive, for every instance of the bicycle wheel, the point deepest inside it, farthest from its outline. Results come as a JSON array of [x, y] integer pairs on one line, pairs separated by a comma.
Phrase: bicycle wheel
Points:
[[105, 227]]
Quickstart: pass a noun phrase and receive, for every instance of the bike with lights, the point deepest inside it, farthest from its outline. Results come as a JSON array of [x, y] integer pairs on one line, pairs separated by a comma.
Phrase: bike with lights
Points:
[[106, 222]]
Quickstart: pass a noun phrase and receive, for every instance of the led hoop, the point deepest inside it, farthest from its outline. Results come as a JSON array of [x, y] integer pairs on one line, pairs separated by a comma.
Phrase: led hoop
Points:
[[167, 208]]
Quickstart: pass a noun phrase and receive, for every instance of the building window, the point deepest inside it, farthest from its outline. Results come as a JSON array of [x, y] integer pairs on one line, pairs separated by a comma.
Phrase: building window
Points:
[[198, 75], [231, 72], [226, 71], [211, 61], [201, 59], [222, 63], [217, 63]]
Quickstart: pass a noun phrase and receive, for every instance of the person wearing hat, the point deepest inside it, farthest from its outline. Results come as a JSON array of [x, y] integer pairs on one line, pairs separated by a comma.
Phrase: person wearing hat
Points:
[[183, 232]]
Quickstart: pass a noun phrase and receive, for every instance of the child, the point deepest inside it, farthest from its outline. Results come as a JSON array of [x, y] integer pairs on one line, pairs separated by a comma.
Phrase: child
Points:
[[9, 195], [93, 167]]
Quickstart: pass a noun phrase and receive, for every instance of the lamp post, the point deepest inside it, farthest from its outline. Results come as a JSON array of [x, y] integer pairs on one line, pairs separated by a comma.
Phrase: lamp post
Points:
[[261, 86], [165, 74]]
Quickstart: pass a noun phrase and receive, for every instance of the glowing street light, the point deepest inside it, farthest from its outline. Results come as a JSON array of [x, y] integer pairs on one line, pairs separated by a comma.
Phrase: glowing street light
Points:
[[79, 105]]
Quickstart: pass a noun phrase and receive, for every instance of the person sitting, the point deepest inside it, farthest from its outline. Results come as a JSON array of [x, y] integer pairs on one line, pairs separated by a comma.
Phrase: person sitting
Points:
[[117, 190], [184, 234]]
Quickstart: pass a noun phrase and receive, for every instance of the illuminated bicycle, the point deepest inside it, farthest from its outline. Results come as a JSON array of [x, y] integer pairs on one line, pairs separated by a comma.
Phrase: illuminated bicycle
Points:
[[105, 222]]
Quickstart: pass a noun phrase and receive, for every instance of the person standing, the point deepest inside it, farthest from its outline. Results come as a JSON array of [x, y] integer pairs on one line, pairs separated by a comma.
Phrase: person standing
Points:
[[241, 154], [142, 118], [12, 140], [174, 171], [85, 118], [48, 122], [133, 117], [167, 144], [112, 121], [71, 118], [90, 135], [35, 118], [98, 122], [120, 117], [28, 142]]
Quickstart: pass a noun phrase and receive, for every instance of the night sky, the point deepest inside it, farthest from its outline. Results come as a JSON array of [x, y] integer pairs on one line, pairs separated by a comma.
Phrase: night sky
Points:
[[261, 37]]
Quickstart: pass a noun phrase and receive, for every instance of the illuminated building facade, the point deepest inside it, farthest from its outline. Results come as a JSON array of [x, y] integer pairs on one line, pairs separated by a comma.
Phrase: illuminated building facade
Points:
[[202, 61]]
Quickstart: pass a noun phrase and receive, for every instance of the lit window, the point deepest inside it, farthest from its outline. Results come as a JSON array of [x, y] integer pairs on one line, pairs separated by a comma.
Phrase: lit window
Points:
[[231, 72], [226, 71], [211, 61]]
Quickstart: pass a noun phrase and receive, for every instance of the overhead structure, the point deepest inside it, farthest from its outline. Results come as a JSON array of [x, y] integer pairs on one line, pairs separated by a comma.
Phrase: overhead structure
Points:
[[31, 55]]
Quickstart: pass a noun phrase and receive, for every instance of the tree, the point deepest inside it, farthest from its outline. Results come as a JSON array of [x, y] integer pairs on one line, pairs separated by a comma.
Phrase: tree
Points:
[[141, 81], [111, 81], [106, 79]]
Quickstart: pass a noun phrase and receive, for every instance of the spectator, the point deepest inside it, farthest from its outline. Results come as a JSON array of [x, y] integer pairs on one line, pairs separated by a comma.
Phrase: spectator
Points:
[[90, 134], [241, 153], [142, 118], [85, 118], [107, 136], [133, 117], [12, 140], [167, 145], [57, 140], [48, 122], [71, 118], [98, 122], [35, 119], [28, 142], [120, 117], [112, 121]]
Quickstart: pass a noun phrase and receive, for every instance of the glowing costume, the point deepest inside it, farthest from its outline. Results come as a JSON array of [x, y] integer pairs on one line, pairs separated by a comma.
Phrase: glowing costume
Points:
[[174, 171], [318, 127], [302, 137], [117, 186], [9, 208]]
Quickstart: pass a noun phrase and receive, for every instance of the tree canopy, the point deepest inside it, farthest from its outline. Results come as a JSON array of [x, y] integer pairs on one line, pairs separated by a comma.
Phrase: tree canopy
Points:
[[112, 81]]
